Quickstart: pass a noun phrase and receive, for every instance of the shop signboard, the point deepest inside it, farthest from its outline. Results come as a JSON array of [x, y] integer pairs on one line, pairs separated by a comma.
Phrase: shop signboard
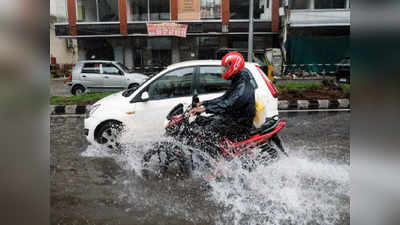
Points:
[[167, 29]]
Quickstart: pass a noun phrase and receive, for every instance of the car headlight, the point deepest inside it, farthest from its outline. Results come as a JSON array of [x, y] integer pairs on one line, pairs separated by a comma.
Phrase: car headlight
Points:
[[93, 109]]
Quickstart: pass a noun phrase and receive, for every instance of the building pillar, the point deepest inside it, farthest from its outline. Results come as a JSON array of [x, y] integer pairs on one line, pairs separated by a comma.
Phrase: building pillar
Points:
[[123, 24], [118, 49], [119, 54], [223, 41], [81, 50], [147, 57], [71, 8], [128, 54], [82, 54], [174, 9], [175, 53], [225, 16], [311, 4], [275, 15], [148, 53]]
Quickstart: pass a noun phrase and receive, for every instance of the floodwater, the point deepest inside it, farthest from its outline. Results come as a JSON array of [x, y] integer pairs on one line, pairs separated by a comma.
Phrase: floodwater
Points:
[[311, 186]]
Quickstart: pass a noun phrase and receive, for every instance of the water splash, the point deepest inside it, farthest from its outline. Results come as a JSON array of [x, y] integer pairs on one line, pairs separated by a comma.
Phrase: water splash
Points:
[[294, 190], [291, 191]]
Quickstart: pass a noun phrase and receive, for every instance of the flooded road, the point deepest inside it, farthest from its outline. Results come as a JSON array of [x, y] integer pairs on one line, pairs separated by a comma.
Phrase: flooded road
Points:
[[312, 186]]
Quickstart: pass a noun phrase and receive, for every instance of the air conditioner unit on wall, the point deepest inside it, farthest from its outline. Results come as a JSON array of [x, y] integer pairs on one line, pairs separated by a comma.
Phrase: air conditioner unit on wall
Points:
[[69, 43]]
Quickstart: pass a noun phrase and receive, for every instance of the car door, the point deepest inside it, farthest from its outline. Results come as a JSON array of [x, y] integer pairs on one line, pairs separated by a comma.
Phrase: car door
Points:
[[164, 93], [209, 83], [113, 77], [91, 76]]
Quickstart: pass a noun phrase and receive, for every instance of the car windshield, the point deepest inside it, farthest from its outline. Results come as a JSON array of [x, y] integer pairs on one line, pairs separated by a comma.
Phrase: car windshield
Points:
[[123, 67]]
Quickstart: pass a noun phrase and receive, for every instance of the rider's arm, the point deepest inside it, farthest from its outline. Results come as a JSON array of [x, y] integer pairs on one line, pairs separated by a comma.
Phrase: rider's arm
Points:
[[214, 101], [221, 105], [218, 99], [198, 109]]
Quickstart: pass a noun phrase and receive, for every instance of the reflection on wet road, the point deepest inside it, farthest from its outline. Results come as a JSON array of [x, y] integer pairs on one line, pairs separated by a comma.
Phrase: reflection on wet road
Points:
[[312, 186]]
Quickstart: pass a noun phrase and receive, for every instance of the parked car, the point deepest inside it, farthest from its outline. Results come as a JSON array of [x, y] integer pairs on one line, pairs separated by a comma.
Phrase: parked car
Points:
[[343, 71], [143, 110], [100, 76]]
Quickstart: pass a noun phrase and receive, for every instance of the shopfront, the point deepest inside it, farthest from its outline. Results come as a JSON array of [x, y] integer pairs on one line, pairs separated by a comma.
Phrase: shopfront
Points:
[[98, 30], [147, 53]]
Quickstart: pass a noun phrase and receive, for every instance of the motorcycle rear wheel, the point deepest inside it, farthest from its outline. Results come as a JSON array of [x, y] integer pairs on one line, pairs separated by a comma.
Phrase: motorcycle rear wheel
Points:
[[266, 155]]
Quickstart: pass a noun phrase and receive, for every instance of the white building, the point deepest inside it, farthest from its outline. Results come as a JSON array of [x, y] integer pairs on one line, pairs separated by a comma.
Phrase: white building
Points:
[[65, 51]]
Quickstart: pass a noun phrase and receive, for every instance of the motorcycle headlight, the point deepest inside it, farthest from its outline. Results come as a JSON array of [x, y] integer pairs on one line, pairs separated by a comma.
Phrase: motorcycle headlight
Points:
[[93, 109]]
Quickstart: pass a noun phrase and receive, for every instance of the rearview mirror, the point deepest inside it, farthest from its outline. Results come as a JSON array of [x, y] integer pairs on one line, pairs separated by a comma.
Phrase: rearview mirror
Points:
[[145, 96]]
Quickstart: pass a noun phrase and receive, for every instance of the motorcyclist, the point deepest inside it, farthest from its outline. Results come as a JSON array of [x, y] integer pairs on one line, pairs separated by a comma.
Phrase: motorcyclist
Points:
[[235, 110]]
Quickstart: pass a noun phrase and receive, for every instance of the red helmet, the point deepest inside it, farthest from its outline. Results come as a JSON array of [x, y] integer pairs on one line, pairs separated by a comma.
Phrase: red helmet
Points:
[[234, 62]]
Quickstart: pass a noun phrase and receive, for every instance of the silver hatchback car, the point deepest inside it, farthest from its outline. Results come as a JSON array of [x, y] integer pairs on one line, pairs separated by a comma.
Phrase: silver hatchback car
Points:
[[101, 76]]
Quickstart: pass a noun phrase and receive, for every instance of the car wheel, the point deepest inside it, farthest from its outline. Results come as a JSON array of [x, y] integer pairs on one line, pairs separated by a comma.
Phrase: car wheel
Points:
[[108, 135], [78, 90], [134, 86]]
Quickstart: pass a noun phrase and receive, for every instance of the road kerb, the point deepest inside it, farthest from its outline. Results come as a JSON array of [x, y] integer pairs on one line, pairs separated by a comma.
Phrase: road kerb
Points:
[[282, 105]]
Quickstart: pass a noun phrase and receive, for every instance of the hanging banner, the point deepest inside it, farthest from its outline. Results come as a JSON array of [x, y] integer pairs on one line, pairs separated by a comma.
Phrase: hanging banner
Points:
[[167, 29]]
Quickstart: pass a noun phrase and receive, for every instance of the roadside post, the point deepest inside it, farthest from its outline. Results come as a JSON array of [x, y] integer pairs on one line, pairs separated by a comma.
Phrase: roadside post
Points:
[[250, 40]]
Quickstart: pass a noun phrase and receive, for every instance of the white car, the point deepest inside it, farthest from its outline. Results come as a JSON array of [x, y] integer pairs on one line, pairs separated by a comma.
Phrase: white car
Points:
[[100, 76], [143, 110]]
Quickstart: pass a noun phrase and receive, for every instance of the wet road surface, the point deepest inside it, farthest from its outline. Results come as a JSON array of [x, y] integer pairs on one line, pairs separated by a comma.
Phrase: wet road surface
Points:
[[311, 187]]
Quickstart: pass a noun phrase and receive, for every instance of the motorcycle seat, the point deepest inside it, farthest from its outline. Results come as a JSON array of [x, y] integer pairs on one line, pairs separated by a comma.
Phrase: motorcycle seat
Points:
[[269, 124]]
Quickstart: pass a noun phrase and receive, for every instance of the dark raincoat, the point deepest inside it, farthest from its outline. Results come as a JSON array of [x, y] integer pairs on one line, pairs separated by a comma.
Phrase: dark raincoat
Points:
[[237, 105], [233, 114]]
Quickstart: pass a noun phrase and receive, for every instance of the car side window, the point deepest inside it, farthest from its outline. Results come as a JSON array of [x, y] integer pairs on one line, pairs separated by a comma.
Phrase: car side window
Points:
[[91, 68], [210, 80], [110, 69], [177, 83]]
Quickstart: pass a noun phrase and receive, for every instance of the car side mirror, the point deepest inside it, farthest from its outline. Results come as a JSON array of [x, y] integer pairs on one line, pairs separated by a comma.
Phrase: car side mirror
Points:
[[195, 100], [145, 96]]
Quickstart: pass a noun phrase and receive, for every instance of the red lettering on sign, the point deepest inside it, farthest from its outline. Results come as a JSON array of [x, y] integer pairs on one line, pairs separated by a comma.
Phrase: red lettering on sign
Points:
[[167, 29]]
